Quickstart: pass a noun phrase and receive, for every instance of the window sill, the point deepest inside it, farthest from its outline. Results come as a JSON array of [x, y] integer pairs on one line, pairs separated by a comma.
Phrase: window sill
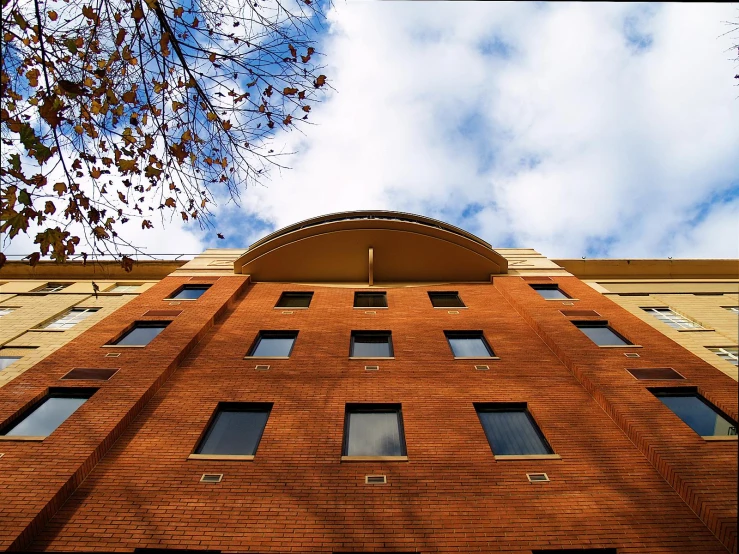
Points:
[[21, 438], [374, 458], [476, 358], [266, 357], [371, 357], [562, 299], [512, 457], [620, 346], [222, 457], [370, 307], [124, 346], [291, 308], [451, 308], [719, 438], [48, 330], [180, 299], [695, 330]]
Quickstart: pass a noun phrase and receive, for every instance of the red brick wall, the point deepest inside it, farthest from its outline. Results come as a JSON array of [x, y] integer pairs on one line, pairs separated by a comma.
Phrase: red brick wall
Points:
[[631, 475]]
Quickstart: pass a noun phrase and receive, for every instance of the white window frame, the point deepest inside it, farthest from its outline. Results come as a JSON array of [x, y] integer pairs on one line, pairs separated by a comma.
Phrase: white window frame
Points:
[[671, 318], [733, 309], [125, 288], [723, 352], [5, 311], [53, 287], [70, 319]]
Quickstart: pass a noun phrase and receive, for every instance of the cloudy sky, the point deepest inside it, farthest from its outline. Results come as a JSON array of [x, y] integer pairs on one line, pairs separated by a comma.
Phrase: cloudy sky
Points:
[[599, 130]]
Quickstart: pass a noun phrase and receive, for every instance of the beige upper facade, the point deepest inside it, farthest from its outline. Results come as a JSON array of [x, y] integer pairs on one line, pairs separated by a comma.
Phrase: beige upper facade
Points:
[[373, 249]]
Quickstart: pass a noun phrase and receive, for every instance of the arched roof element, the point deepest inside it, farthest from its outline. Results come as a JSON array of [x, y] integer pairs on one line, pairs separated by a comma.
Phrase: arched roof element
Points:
[[371, 246]]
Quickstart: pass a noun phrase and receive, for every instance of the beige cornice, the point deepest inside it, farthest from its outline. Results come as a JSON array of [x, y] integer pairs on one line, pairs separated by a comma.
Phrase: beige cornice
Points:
[[651, 269]]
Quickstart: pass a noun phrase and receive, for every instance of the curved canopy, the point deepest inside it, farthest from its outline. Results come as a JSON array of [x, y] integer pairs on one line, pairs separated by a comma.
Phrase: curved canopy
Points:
[[371, 246]]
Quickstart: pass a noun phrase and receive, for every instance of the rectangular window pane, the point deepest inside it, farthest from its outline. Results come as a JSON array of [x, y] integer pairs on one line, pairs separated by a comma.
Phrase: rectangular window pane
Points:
[[655, 373], [53, 287], [190, 292], [5, 361], [728, 353], [697, 413], [125, 288], [370, 300], [294, 300], [142, 334], [373, 432], [602, 335], [274, 344], [468, 344], [671, 318], [371, 345], [446, 300], [236, 430], [5, 311], [42, 420], [550, 292], [512, 431], [71, 318]]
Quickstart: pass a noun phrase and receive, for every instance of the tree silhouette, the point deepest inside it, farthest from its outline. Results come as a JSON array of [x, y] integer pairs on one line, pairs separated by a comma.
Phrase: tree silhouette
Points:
[[124, 112]]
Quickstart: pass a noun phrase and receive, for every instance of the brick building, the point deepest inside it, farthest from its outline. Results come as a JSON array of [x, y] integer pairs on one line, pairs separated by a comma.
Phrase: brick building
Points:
[[374, 382]]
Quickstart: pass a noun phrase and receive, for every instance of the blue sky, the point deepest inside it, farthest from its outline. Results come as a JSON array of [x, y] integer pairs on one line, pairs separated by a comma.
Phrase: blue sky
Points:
[[598, 130]]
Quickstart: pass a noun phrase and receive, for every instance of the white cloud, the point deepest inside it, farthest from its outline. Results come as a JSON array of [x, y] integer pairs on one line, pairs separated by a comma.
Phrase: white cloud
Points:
[[569, 136]]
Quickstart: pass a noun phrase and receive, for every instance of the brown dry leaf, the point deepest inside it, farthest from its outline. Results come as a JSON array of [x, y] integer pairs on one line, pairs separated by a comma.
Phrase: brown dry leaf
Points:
[[320, 81], [53, 15]]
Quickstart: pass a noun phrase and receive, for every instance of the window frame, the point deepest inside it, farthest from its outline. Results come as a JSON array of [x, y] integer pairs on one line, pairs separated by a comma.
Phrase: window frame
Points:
[[52, 392], [7, 310], [370, 408], [673, 319], [257, 407], [56, 320], [683, 392], [358, 293], [53, 287], [14, 358], [580, 324], [728, 355], [287, 294], [279, 333], [480, 334], [118, 285], [488, 407], [371, 332], [432, 293], [551, 286], [188, 286], [135, 325]]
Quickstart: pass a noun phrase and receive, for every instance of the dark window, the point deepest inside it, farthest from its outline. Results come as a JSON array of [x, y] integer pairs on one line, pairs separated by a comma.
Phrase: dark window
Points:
[[645, 373], [236, 429], [699, 414], [511, 430], [294, 300], [446, 300], [370, 300], [550, 292], [468, 344], [371, 344], [142, 333], [43, 418], [189, 292], [90, 373], [270, 344], [53, 287], [600, 333], [373, 430]]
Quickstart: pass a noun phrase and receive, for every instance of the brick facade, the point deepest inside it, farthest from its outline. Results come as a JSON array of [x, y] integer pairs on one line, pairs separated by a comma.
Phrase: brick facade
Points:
[[116, 475]]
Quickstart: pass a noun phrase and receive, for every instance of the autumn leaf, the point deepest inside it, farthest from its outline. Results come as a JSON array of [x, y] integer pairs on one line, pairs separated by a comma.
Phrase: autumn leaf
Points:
[[120, 37], [51, 110], [164, 44], [33, 259], [227, 125], [212, 57], [212, 117], [179, 11], [126, 264], [306, 109], [53, 15], [320, 81], [289, 91], [287, 120], [60, 188], [138, 13], [293, 52], [146, 224], [152, 172], [306, 58], [170, 202], [32, 77]]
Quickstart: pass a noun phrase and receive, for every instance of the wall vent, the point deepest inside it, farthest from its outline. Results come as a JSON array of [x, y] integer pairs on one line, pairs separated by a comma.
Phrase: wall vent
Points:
[[371, 367], [174, 303], [482, 367], [262, 367], [537, 477], [568, 303], [631, 354], [371, 312], [163, 313], [453, 312], [375, 479], [113, 355], [211, 478], [288, 312], [98, 374]]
